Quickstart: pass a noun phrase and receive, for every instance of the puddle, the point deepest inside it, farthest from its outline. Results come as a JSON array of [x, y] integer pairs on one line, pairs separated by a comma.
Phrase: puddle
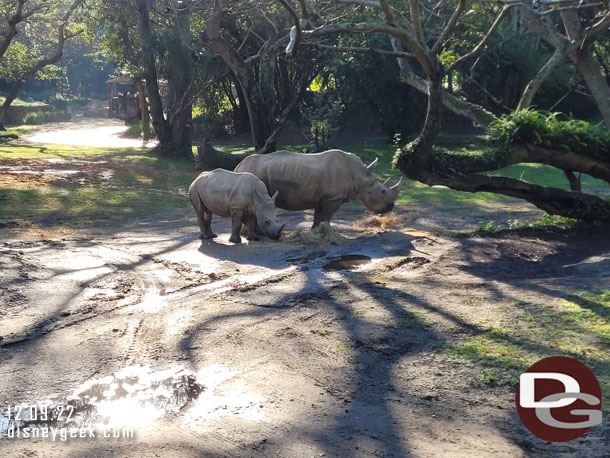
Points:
[[133, 397], [347, 262]]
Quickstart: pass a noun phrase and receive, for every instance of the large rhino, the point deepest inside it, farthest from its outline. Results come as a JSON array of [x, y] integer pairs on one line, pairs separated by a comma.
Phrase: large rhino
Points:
[[241, 196], [322, 181]]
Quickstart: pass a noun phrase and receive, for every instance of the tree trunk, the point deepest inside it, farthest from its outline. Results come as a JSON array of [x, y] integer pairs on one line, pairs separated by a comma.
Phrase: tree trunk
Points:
[[591, 73], [180, 75], [210, 158], [144, 111], [149, 67], [575, 183], [413, 160], [536, 82]]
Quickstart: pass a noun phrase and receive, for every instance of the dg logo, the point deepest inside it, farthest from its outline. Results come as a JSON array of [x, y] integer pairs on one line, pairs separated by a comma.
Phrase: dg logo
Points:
[[559, 399]]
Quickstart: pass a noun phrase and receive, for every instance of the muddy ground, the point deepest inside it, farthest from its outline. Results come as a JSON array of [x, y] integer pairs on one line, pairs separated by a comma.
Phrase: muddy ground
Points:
[[291, 348]]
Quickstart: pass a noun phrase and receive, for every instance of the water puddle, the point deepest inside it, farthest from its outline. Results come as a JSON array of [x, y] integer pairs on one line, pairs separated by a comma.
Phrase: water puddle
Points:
[[134, 396], [347, 262]]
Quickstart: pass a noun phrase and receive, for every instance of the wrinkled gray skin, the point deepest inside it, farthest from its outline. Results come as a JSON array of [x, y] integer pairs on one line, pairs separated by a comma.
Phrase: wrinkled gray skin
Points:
[[241, 196], [322, 181]]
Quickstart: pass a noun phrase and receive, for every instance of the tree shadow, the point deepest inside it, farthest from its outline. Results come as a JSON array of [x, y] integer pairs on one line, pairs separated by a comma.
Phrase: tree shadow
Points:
[[375, 350]]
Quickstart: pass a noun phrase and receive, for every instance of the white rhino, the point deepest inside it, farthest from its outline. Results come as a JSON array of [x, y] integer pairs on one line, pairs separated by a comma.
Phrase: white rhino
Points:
[[322, 181], [241, 196]]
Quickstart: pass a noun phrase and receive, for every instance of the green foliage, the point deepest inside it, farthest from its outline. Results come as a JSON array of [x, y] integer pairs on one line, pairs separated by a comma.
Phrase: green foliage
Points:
[[549, 129], [489, 227], [547, 221], [323, 116], [134, 130], [44, 117]]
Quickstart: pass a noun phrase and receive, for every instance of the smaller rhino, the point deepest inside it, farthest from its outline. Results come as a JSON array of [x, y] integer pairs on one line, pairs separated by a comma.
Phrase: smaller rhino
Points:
[[241, 196]]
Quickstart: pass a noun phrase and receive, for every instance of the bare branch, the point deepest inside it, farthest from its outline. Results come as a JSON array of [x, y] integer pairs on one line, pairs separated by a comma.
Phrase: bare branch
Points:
[[416, 21], [449, 27], [295, 32], [382, 52], [479, 48]]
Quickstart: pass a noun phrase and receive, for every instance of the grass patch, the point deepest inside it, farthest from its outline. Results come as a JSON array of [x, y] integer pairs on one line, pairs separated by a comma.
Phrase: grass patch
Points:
[[84, 205], [410, 320], [578, 327], [141, 185]]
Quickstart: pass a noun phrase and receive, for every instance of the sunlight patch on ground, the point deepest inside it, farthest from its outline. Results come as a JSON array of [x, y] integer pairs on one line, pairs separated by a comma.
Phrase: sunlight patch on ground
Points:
[[108, 136], [224, 395]]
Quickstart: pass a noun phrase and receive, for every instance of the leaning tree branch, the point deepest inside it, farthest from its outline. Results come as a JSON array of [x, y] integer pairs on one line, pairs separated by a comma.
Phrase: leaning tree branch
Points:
[[554, 201]]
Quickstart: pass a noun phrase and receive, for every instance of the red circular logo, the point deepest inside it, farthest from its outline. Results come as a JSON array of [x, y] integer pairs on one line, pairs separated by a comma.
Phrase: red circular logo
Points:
[[559, 399]]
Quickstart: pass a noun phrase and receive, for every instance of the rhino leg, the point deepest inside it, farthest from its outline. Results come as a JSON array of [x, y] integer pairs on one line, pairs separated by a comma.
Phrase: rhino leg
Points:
[[251, 228], [237, 218], [205, 224], [324, 213]]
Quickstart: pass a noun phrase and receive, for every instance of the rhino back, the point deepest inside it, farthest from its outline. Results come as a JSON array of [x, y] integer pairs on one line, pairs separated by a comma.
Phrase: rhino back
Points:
[[304, 180]]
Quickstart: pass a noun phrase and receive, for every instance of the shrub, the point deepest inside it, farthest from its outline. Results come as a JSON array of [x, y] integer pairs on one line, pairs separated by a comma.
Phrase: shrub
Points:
[[59, 104], [549, 129], [44, 117], [134, 130]]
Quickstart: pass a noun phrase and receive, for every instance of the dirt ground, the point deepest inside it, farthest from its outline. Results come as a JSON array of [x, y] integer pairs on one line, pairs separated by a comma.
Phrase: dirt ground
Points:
[[291, 348]]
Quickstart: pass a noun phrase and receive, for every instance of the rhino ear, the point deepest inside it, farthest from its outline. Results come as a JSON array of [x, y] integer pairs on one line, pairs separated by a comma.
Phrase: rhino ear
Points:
[[274, 196], [372, 165], [258, 197]]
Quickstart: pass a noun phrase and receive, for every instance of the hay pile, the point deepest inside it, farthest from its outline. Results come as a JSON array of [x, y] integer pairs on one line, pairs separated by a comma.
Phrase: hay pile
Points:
[[324, 235], [387, 221]]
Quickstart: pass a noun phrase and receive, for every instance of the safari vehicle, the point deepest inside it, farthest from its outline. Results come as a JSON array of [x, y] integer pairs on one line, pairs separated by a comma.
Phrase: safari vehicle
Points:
[[126, 96]]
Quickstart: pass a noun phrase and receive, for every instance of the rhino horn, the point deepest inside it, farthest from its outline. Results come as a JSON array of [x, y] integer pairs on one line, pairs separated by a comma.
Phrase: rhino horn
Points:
[[372, 165], [274, 196], [282, 227], [397, 185]]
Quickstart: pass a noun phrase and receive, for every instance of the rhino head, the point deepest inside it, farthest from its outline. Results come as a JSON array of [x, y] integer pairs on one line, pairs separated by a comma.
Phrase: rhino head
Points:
[[265, 209], [376, 196]]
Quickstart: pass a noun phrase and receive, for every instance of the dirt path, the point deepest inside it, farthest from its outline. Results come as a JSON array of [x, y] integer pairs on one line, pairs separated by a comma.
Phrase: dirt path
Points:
[[100, 133], [270, 348]]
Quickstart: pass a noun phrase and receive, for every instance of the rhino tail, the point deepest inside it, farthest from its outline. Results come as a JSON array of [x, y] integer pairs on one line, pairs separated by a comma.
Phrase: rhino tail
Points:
[[196, 201]]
